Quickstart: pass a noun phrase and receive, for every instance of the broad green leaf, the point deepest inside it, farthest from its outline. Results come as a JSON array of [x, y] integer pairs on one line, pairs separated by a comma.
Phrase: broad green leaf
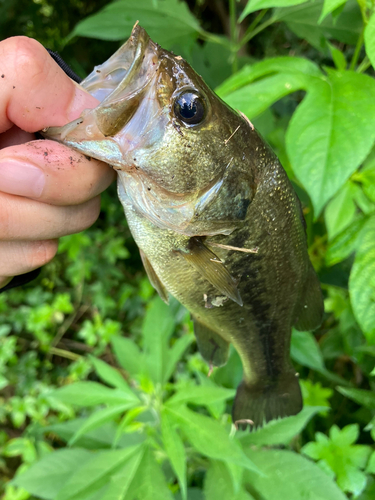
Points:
[[341, 210], [151, 483], [201, 395], [115, 21], [127, 354], [99, 418], [286, 65], [122, 485], [255, 98], [345, 243], [175, 450], [370, 469], [95, 473], [218, 484], [303, 20], [329, 6], [208, 436], [280, 431], [46, 477], [253, 5], [370, 39], [360, 396], [305, 350], [290, 476], [322, 152], [92, 394], [362, 281], [175, 353], [109, 374]]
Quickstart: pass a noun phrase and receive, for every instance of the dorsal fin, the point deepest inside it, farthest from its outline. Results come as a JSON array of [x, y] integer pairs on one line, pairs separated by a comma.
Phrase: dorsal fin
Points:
[[154, 278], [213, 348], [212, 269]]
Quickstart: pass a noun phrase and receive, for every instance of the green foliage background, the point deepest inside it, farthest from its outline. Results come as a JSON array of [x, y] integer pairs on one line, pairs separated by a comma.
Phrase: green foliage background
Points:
[[102, 392]]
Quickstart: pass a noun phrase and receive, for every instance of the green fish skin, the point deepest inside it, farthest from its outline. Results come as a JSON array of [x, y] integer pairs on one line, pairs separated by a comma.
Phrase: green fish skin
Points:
[[213, 213]]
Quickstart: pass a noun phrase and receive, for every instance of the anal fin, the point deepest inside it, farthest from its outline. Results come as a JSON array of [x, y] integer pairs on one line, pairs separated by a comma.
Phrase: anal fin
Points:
[[154, 278], [213, 348], [212, 269]]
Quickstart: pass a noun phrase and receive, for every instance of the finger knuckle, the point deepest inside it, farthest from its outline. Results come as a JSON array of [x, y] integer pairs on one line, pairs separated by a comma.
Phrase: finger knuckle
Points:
[[26, 55], [40, 253], [89, 214]]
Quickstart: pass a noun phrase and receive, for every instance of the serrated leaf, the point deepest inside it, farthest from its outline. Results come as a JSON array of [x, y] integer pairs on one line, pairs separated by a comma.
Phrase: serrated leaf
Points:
[[175, 353], [109, 375], [175, 450], [99, 418], [209, 437], [362, 281], [92, 394], [95, 473], [280, 431], [369, 36], [127, 354], [115, 21], [151, 483], [290, 476], [322, 152], [218, 484], [360, 396], [46, 477], [253, 5], [201, 395]]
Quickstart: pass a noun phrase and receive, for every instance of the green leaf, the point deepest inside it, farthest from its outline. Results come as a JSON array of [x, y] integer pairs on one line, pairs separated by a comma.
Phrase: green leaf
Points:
[[345, 243], [290, 476], [115, 21], [341, 210], [128, 354], [175, 354], [322, 153], [175, 450], [370, 39], [280, 431], [150, 480], [201, 395], [99, 418], [303, 20], [362, 281], [360, 396], [209, 437], [92, 394], [253, 5], [337, 56], [46, 477], [95, 474], [329, 6], [305, 350], [341, 456], [109, 374], [218, 484]]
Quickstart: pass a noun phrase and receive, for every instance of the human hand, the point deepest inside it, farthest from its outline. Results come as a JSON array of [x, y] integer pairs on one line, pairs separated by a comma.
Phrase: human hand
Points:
[[46, 189]]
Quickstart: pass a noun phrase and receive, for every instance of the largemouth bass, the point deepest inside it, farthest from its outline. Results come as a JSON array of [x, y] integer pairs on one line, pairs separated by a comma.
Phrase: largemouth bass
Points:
[[213, 213]]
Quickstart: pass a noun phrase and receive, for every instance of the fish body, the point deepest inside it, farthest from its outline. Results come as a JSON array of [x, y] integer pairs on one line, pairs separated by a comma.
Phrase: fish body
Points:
[[213, 213]]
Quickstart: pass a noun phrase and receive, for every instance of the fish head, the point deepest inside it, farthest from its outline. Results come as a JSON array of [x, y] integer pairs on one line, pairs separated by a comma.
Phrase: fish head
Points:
[[171, 139]]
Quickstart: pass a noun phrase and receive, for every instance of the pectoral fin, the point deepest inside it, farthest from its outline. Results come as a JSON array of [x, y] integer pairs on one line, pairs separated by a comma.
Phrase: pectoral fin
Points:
[[213, 348], [212, 269], [154, 278]]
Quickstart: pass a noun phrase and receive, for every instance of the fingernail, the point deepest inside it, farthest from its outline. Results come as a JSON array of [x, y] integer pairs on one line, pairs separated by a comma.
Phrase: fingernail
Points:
[[21, 178], [82, 100]]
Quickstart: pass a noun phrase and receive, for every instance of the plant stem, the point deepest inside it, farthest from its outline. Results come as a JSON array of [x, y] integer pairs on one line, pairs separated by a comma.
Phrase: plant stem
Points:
[[257, 30], [365, 64], [64, 354], [233, 34], [357, 50], [256, 21]]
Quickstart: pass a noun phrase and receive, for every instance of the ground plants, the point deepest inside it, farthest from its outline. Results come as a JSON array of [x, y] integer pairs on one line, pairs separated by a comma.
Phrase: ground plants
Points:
[[97, 402]]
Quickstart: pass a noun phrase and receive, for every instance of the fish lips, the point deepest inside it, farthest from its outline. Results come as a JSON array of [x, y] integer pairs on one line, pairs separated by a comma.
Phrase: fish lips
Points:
[[120, 83]]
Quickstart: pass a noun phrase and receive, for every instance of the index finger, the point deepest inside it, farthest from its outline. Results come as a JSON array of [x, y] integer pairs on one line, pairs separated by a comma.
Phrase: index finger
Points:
[[35, 91]]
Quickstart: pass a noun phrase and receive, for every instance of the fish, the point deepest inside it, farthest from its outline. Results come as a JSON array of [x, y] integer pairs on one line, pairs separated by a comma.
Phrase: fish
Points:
[[216, 219]]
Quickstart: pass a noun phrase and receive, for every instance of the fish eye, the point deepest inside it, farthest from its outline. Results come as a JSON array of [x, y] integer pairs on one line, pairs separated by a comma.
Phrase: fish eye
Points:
[[190, 107]]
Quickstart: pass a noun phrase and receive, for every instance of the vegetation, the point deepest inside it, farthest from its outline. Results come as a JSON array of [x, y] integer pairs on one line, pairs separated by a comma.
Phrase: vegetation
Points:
[[97, 402]]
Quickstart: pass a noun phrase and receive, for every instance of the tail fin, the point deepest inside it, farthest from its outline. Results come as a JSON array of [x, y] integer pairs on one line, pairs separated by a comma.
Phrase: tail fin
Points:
[[262, 401]]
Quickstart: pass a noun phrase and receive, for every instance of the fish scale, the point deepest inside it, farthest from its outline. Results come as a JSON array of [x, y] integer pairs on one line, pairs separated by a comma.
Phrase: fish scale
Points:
[[213, 213]]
